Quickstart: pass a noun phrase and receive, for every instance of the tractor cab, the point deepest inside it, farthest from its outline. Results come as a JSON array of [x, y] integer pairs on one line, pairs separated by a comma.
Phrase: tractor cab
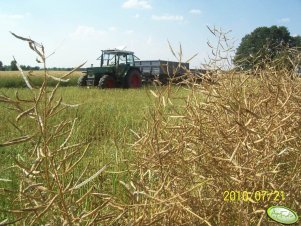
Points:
[[117, 57], [117, 69], [120, 59]]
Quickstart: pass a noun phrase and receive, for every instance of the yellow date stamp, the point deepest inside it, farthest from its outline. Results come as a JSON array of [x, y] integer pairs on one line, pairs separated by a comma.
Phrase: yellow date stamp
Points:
[[253, 196]]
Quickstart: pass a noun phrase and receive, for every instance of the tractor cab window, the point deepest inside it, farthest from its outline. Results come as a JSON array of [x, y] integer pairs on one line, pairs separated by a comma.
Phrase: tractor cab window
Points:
[[130, 60], [122, 59], [109, 59]]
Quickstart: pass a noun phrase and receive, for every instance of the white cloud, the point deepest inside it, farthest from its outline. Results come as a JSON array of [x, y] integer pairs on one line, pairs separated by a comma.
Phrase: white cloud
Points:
[[11, 16], [195, 11], [112, 28], [128, 32], [284, 20], [138, 4], [168, 17], [149, 40], [87, 32]]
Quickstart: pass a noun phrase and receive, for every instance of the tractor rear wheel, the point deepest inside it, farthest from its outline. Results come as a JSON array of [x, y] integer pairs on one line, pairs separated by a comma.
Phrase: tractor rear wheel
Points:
[[107, 81], [133, 79], [82, 81]]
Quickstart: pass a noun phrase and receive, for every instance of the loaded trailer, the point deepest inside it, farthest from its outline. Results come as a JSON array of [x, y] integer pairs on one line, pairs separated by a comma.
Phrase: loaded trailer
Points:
[[119, 68]]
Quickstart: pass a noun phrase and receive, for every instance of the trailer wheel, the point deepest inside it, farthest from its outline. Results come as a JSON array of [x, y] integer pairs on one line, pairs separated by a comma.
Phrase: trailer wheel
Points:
[[82, 81], [133, 79], [107, 81]]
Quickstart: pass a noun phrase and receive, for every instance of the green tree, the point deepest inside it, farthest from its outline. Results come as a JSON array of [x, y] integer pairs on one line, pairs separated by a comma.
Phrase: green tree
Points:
[[13, 65], [1, 66], [264, 43]]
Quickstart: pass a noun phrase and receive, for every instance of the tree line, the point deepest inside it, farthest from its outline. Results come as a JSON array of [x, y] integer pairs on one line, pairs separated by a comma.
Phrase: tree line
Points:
[[13, 67]]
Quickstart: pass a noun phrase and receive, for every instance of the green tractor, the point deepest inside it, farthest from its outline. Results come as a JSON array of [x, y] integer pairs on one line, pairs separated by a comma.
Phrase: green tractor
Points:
[[117, 69]]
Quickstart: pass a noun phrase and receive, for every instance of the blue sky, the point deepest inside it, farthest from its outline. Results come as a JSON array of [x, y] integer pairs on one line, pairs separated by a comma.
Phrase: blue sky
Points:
[[78, 30]]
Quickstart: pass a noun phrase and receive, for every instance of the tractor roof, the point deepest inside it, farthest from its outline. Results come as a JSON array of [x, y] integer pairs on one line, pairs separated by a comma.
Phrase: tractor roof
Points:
[[116, 51]]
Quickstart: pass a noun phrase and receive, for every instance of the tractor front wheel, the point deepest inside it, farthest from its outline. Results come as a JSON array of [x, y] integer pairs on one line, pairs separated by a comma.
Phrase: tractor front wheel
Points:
[[133, 79], [107, 81], [82, 81]]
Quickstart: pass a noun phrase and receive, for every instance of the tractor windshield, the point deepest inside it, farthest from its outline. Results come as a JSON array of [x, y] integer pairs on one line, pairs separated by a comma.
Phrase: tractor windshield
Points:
[[109, 59]]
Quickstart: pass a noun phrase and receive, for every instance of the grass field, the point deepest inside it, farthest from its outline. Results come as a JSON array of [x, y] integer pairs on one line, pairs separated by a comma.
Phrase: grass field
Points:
[[171, 154], [107, 119]]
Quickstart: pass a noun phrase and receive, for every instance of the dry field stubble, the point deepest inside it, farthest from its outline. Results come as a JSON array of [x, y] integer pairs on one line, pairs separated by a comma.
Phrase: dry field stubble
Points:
[[243, 136], [12, 79]]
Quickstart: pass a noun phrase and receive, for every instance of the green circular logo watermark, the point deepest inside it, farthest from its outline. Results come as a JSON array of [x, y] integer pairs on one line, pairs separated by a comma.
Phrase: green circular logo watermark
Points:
[[282, 214]]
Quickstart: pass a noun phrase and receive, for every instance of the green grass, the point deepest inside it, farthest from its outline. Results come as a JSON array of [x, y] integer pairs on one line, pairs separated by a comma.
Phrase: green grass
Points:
[[104, 116], [105, 119]]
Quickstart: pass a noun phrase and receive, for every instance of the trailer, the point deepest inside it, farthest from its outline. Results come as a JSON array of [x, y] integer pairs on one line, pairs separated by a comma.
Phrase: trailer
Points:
[[161, 70]]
